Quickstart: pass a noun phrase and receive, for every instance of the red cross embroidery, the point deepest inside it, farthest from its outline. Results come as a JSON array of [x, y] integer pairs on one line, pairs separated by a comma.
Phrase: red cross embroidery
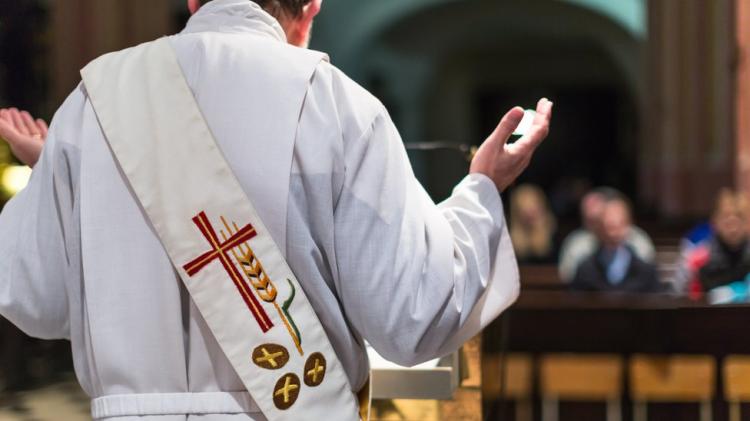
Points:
[[219, 251]]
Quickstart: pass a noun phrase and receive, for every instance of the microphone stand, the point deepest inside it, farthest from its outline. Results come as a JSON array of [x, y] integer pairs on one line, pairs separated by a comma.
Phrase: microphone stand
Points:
[[468, 151]]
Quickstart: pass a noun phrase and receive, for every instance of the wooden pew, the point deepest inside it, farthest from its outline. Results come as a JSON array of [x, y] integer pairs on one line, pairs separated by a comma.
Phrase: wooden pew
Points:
[[548, 321]]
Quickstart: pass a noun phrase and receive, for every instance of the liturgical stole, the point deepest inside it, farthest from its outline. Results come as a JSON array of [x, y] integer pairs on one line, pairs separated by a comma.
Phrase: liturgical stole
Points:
[[232, 268]]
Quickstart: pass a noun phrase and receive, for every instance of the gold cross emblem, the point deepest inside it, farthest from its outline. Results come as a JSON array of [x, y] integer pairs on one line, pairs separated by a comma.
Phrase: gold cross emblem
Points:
[[286, 389], [317, 369], [269, 357]]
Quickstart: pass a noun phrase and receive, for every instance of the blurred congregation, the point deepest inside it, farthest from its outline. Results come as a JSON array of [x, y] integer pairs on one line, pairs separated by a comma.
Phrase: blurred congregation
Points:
[[609, 252], [612, 317], [631, 226]]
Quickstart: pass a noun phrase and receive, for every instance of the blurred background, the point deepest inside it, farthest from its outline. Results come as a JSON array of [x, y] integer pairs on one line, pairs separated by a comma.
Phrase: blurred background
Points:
[[631, 223]]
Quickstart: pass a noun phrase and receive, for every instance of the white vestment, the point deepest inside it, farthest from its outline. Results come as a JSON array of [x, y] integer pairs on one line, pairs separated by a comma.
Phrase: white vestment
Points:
[[379, 261]]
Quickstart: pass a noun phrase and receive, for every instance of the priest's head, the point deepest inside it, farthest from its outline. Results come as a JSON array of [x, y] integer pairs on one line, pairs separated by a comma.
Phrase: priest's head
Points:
[[295, 16]]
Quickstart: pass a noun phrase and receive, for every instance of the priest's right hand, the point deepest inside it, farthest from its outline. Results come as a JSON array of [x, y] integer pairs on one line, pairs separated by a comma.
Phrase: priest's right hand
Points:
[[503, 162], [24, 134]]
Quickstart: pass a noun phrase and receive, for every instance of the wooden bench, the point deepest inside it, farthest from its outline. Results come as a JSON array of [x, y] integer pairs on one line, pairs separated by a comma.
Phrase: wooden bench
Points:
[[581, 378], [678, 378]]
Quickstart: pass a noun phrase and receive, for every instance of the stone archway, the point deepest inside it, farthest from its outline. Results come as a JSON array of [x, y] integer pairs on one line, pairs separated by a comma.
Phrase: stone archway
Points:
[[346, 28], [434, 61], [675, 62]]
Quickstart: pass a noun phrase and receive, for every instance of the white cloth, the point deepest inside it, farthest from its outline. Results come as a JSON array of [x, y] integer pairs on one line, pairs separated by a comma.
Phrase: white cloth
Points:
[[377, 258]]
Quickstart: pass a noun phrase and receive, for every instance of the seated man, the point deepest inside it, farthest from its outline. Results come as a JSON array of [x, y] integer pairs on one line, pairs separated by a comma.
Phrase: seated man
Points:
[[615, 266], [581, 243]]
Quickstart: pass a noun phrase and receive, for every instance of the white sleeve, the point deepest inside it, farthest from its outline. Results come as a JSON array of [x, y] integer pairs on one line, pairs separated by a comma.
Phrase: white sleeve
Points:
[[34, 259], [642, 244], [417, 280]]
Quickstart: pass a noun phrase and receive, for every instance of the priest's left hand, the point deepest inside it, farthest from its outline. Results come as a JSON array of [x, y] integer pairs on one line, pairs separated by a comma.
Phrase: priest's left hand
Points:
[[24, 134], [503, 162]]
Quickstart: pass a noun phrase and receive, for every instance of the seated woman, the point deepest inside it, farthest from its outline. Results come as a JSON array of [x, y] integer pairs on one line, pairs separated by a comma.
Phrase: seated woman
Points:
[[724, 260], [614, 266], [532, 226]]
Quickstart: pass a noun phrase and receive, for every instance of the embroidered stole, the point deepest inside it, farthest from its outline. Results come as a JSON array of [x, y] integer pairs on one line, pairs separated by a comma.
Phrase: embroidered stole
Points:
[[232, 268]]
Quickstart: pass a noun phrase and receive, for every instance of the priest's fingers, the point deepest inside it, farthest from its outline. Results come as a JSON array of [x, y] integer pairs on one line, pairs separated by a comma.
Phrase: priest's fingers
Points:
[[540, 125], [5, 114], [542, 120], [8, 131], [538, 131], [42, 126], [30, 125], [507, 125], [18, 122]]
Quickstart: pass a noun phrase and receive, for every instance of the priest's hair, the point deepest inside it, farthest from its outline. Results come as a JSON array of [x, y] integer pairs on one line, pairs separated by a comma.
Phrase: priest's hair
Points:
[[279, 8]]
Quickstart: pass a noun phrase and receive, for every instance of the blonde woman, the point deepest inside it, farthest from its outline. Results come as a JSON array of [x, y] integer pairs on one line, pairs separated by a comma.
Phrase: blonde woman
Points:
[[532, 225]]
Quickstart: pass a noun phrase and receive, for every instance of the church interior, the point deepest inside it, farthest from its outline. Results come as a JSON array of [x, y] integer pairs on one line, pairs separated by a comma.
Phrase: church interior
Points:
[[652, 115]]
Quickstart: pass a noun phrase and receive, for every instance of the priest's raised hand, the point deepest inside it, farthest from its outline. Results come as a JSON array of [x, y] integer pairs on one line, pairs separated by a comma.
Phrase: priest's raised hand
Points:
[[503, 162], [24, 134]]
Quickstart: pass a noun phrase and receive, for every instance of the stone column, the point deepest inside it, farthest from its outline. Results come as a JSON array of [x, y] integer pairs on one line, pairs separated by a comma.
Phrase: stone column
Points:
[[742, 99], [687, 148]]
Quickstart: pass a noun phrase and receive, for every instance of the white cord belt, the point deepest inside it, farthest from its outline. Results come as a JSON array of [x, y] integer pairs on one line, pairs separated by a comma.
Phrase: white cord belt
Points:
[[173, 404]]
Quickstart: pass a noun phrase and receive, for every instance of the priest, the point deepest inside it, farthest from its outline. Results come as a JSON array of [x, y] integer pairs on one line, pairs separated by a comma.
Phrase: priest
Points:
[[230, 138]]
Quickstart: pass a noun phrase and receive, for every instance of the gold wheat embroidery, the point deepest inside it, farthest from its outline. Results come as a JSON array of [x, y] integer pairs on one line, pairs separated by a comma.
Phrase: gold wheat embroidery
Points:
[[258, 278], [253, 269]]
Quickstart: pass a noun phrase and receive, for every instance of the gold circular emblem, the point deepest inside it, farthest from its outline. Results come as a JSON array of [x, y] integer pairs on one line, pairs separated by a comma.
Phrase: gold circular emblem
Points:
[[270, 356], [315, 369], [286, 392]]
